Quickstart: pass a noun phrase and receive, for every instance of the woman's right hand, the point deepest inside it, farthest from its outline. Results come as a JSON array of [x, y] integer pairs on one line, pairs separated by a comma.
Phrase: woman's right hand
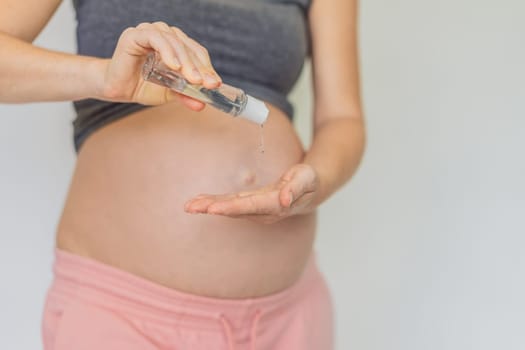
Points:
[[123, 80]]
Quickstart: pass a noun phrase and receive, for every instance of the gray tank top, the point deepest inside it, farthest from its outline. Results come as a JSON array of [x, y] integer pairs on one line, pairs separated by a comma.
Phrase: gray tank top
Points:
[[256, 45]]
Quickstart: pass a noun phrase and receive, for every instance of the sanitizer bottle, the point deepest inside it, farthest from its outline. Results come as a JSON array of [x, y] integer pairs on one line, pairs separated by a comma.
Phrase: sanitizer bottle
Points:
[[226, 98]]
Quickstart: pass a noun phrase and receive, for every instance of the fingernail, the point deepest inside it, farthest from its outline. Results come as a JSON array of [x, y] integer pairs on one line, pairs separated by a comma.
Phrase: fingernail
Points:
[[210, 78], [291, 199]]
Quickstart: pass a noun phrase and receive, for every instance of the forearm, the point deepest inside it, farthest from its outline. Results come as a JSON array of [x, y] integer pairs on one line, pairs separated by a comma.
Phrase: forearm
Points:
[[335, 153], [32, 74]]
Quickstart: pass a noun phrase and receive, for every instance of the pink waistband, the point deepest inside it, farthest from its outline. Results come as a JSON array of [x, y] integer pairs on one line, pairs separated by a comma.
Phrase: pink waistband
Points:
[[96, 282]]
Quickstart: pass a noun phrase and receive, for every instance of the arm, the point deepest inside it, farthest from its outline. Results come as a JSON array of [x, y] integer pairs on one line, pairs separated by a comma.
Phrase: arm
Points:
[[30, 74], [339, 135]]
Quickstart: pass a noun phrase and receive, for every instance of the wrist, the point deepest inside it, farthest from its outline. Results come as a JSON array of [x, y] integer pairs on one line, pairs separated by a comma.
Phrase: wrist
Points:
[[94, 76], [323, 188]]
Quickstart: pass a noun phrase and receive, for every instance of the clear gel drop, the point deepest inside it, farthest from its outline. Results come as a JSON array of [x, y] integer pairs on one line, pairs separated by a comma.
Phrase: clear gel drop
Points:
[[261, 142]]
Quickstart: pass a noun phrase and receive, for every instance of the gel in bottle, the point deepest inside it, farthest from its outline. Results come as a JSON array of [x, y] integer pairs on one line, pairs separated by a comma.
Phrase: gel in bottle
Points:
[[226, 98]]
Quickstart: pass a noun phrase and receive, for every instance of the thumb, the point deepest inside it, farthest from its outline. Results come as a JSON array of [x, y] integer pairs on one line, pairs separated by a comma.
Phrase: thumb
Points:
[[294, 188], [189, 102]]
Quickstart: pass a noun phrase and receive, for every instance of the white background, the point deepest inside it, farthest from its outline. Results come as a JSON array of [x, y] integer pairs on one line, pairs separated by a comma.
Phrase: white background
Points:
[[422, 249]]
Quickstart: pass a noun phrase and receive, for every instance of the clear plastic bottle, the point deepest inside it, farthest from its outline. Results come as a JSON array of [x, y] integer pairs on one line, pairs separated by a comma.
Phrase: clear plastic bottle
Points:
[[226, 98]]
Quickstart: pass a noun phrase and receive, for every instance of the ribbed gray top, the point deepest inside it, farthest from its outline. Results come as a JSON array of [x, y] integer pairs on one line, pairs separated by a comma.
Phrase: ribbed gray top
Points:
[[256, 45]]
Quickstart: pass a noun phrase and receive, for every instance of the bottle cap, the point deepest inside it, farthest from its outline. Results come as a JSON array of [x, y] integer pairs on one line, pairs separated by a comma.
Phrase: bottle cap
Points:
[[255, 110]]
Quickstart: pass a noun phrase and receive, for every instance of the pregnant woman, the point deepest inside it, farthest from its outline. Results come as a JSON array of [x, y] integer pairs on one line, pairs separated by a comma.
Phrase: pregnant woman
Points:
[[177, 232]]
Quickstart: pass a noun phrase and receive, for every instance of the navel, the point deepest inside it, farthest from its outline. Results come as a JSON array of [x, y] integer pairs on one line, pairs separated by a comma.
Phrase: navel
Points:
[[249, 177]]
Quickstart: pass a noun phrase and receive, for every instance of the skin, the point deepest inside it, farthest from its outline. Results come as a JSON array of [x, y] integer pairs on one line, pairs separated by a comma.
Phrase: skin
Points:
[[177, 193]]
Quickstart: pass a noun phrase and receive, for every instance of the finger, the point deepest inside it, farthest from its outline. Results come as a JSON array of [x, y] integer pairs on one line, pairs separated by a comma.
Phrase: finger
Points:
[[217, 197], [227, 196], [193, 104], [260, 218], [301, 181], [264, 203], [201, 53], [197, 201], [189, 68], [189, 102], [289, 174], [208, 81], [285, 196], [162, 26], [201, 202], [199, 205], [177, 57], [197, 54], [147, 39]]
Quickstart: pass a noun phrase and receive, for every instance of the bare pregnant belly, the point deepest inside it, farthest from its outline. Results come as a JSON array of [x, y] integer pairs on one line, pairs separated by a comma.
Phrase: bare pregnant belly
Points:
[[125, 205]]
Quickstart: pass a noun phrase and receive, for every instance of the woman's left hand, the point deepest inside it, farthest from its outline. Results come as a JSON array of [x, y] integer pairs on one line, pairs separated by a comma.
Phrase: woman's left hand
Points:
[[293, 194]]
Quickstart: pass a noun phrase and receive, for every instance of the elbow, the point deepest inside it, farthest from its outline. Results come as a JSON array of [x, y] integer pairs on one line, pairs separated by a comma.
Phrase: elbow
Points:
[[24, 36], [348, 113]]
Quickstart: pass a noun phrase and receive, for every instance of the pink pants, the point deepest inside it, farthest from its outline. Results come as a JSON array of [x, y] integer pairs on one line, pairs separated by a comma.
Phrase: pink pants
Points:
[[93, 306]]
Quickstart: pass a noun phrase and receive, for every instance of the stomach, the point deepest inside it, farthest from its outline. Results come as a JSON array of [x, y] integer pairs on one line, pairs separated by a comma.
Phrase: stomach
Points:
[[125, 204]]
